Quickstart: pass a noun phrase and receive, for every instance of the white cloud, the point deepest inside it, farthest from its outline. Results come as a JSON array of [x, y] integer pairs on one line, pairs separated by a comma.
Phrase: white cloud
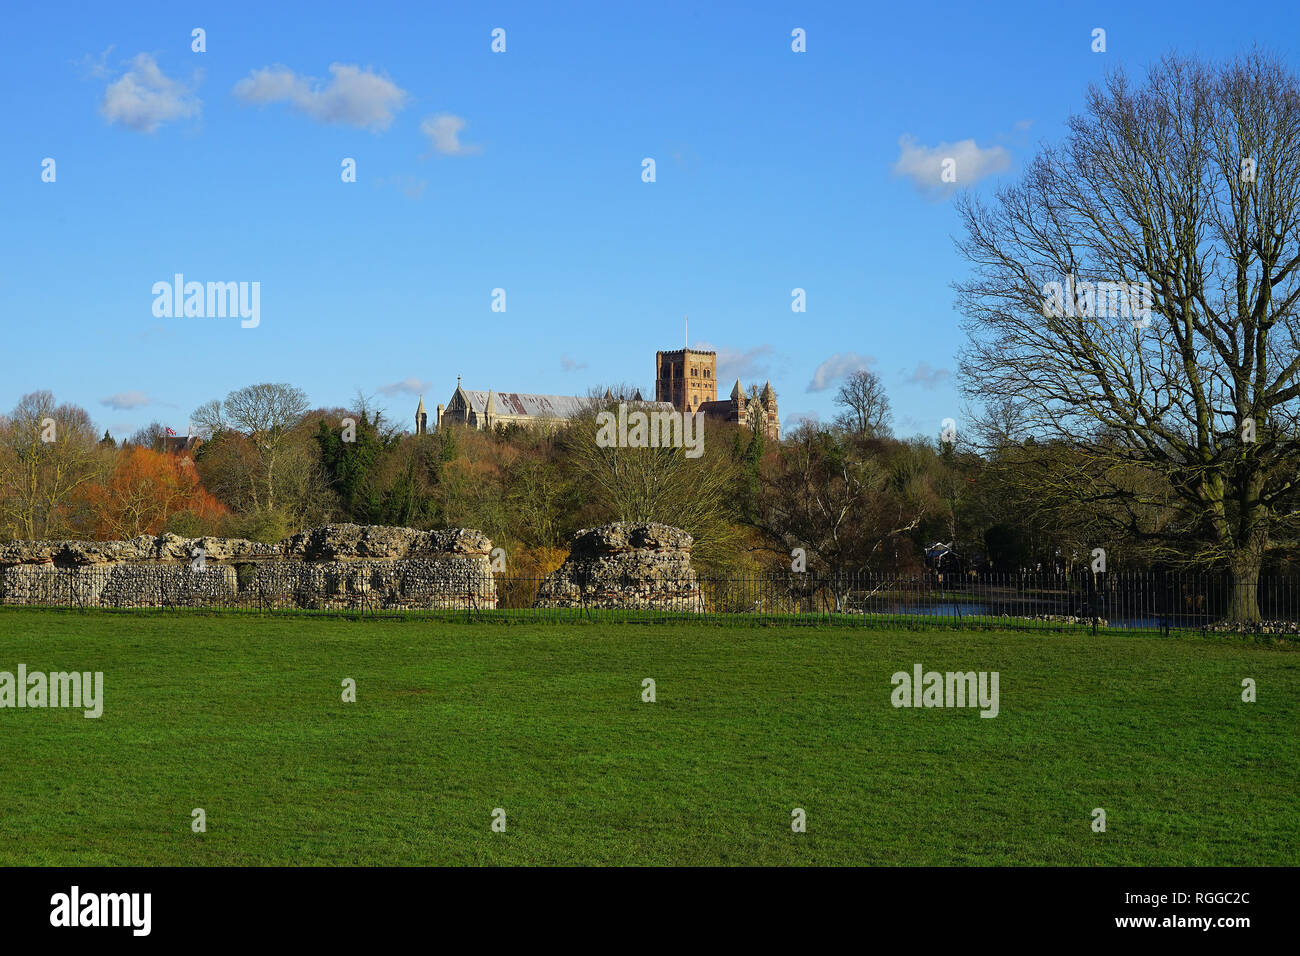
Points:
[[96, 67], [410, 187], [443, 131], [353, 97], [836, 367], [143, 98], [571, 365], [407, 386], [124, 400], [795, 419], [742, 364], [928, 377], [924, 165]]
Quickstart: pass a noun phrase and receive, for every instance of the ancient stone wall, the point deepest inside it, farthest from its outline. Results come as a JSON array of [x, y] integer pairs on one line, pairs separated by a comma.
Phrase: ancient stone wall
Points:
[[632, 566], [336, 566]]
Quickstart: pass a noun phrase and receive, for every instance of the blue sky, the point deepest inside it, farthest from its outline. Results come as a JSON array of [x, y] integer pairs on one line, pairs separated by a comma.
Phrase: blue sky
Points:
[[522, 171]]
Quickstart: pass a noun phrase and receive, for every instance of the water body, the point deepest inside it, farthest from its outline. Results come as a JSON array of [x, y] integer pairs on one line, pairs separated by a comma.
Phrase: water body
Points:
[[978, 609]]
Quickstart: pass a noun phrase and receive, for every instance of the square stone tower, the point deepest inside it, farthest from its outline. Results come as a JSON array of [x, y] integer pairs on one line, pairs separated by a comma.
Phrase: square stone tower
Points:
[[686, 377]]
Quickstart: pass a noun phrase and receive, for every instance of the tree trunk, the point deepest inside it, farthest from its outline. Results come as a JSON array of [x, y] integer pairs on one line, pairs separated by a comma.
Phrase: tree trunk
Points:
[[1243, 604]]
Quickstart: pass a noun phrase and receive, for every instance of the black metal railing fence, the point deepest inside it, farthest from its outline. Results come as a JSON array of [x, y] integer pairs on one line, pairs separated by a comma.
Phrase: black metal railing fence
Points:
[[1116, 600]]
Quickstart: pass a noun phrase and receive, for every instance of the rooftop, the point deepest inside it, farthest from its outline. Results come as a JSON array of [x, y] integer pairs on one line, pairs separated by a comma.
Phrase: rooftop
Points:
[[522, 403]]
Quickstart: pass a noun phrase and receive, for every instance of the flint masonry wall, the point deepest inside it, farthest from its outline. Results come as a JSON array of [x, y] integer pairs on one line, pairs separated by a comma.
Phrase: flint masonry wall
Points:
[[632, 566], [336, 566], [117, 586]]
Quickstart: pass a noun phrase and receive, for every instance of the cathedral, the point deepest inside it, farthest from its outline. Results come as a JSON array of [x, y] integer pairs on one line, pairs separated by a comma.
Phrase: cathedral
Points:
[[685, 380], [486, 410], [688, 378]]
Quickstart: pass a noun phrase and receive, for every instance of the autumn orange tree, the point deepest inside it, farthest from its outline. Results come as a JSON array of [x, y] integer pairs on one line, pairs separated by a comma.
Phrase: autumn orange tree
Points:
[[148, 490]]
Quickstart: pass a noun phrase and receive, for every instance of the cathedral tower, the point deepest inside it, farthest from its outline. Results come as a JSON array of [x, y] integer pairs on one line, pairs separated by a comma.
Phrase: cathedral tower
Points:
[[686, 377]]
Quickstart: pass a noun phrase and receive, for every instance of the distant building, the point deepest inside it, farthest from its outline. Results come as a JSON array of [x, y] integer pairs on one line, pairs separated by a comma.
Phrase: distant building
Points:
[[754, 412], [486, 410], [688, 378], [184, 445], [685, 380], [942, 557]]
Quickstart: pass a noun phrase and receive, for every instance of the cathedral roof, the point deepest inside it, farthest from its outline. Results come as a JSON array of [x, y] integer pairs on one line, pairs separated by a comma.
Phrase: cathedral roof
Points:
[[523, 403]]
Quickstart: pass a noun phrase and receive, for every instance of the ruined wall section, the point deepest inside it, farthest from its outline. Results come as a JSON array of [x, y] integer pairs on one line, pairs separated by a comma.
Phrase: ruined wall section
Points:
[[630, 566], [331, 567]]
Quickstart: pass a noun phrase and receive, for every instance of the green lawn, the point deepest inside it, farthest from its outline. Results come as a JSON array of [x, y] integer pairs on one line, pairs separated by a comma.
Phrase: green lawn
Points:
[[241, 715]]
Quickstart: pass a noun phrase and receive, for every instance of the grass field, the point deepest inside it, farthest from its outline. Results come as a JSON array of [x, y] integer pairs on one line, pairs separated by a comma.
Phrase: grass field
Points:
[[241, 716]]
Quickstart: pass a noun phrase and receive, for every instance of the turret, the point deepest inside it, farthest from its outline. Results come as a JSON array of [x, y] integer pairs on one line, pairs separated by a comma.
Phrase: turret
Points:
[[769, 406]]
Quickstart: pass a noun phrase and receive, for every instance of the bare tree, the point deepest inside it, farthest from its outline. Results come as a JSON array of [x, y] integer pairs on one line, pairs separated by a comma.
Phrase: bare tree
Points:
[[866, 405], [267, 415], [1181, 193], [153, 436], [600, 397], [48, 453], [995, 423], [660, 484], [845, 500]]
